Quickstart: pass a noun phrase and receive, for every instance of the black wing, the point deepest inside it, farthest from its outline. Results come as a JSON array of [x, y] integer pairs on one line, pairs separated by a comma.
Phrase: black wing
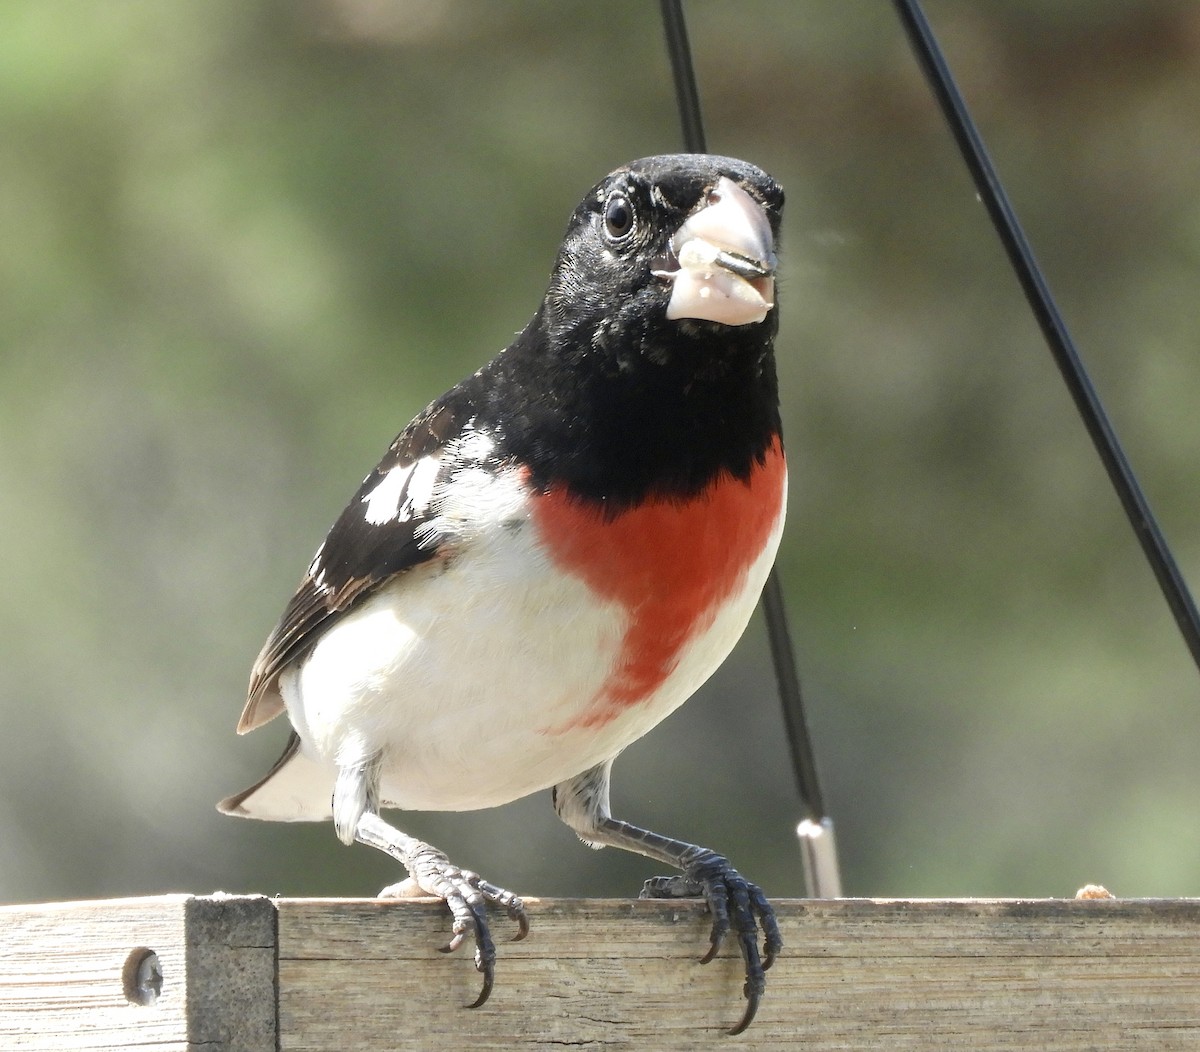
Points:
[[363, 549]]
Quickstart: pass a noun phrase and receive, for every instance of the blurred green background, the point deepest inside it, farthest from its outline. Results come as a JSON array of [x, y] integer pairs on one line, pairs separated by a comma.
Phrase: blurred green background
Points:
[[243, 241]]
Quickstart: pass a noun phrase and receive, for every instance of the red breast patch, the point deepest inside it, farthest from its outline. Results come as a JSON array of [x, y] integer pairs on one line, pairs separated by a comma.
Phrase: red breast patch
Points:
[[670, 563]]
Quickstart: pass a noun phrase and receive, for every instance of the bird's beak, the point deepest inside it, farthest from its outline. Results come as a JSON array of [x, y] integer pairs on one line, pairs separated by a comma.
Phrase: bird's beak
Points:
[[722, 262]]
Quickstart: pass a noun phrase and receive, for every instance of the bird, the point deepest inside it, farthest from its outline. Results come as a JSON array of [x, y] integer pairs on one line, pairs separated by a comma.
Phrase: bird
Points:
[[552, 557]]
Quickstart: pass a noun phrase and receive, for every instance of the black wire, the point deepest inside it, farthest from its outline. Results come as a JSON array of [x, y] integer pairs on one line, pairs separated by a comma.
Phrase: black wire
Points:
[[804, 762], [684, 74], [783, 658], [1020, 255]]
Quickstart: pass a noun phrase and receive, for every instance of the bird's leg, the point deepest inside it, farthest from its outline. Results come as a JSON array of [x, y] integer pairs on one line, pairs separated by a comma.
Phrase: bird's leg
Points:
[[583, 804], [356, 801]]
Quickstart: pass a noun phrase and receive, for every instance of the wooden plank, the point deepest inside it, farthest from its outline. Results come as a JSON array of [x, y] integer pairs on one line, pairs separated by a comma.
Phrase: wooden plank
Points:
[[255, 975], [856, 974], [68, 972]]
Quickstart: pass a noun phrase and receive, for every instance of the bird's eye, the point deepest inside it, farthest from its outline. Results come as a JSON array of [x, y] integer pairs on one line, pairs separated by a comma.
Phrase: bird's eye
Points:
[[618, 216]]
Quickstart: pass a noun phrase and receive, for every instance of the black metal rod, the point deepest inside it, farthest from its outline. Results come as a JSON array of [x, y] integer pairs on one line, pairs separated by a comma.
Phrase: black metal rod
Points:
[[774, 612], [683, 71], [804, 762], [1020, 255]]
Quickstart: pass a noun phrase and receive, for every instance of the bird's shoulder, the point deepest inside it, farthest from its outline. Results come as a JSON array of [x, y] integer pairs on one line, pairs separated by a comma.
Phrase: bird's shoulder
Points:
[[389, 526]]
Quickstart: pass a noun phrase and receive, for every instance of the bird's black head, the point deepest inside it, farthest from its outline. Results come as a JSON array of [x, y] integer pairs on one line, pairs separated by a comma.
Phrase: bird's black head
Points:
[[680, 245], [649, 366]]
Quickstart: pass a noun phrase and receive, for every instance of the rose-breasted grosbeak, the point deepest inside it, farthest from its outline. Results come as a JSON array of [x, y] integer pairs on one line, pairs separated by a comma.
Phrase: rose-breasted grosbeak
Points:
[[554, 555]]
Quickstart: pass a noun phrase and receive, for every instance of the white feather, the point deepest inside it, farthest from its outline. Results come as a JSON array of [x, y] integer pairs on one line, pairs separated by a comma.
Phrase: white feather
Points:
[[384, 503]]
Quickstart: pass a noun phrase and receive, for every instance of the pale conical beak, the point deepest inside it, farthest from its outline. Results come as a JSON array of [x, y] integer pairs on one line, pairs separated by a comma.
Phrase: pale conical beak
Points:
[[726, 260]]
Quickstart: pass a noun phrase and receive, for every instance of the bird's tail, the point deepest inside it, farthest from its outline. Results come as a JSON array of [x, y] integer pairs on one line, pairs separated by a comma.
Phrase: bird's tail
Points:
[[296, 789]]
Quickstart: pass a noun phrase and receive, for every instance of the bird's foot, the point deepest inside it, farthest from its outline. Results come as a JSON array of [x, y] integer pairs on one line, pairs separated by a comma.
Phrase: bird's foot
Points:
[[732, 901], [467, 894]]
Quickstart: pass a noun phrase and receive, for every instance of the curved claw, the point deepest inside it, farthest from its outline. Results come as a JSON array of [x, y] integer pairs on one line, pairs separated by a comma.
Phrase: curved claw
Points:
[[489, 976], [734, 903], [772, 937], [512, 904], [457, 938], [485, 950], [522, 924], [467, 896], [717, 896], [752, 1000]]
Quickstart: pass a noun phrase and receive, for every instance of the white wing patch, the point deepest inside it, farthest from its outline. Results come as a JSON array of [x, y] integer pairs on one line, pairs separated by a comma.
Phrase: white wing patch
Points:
[[315, 571], [404, 492], [408, 491]]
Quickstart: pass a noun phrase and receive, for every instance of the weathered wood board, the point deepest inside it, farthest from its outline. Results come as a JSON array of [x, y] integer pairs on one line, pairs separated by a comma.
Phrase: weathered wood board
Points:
[[254, 974]]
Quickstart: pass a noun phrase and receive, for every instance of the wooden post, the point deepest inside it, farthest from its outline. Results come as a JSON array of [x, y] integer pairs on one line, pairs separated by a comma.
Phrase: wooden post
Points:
[[255, 975]]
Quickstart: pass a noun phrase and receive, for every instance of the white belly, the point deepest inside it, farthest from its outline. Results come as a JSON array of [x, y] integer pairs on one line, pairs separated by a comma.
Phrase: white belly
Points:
[[470, 676]]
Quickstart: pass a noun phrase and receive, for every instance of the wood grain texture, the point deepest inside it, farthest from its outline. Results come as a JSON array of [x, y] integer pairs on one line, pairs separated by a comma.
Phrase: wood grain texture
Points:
[[62, 968], [855, 974], [352, 975]]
